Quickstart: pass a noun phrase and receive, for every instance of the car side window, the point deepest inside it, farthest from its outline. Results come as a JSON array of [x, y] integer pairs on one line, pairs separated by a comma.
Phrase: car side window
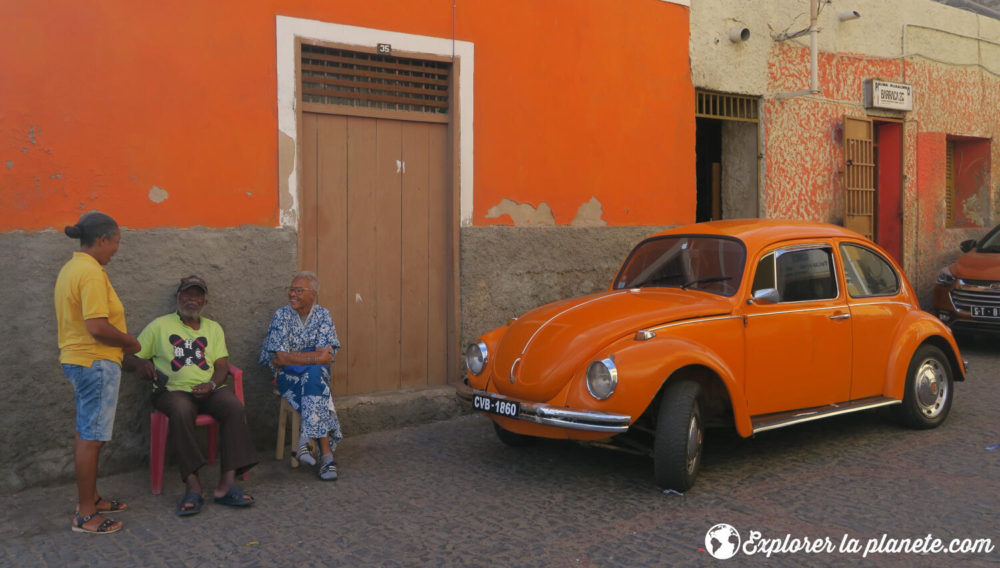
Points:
[[764, 275], [868, 273], [798, 274]]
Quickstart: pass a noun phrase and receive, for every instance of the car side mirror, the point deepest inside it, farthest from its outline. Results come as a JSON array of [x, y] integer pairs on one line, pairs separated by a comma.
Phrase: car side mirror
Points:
[[765, 296], [967, 245]]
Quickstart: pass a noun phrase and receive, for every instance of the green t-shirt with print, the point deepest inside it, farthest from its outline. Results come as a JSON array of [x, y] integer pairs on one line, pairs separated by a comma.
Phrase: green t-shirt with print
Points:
[[186, 355]]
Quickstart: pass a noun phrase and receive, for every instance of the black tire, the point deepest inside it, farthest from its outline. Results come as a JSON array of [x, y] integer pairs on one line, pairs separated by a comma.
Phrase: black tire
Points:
[[679, 436], [929, 389], [513, 439]]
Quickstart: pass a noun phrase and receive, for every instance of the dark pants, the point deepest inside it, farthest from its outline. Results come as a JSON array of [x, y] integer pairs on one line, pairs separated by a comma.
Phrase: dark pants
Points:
[[182, 408]]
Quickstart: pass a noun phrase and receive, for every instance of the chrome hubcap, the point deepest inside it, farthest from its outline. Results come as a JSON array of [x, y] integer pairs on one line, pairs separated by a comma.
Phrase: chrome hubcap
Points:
[[693, 444], [931, 387]]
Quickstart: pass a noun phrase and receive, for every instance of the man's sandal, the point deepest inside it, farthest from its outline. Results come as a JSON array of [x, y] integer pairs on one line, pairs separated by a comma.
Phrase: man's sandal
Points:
[[193, 499], [107, 527]]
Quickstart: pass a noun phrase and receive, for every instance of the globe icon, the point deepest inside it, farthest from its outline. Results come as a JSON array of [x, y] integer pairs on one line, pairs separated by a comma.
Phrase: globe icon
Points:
[[722, 541]]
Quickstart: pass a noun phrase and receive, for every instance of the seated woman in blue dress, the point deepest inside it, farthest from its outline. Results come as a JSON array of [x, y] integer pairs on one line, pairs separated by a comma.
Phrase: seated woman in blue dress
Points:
[[300, 346]]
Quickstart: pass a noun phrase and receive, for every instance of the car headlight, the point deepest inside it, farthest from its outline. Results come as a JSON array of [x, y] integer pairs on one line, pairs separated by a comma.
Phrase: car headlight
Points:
[[602, 378], [476, 357], [945, 277]]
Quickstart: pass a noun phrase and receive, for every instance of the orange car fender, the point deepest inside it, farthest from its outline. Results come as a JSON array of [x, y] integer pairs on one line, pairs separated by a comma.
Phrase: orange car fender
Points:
[[644, 367], [916, 329]]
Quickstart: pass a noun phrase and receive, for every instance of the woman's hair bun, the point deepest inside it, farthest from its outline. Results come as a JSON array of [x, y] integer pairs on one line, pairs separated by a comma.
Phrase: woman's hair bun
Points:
[[73, 231]]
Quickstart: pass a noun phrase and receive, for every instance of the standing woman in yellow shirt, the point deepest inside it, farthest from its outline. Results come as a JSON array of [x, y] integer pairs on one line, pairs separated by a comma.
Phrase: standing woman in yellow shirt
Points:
[[92, 341]]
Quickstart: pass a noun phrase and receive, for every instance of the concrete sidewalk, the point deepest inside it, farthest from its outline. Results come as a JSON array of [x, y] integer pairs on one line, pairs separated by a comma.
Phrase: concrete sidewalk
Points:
[[296, 518], [292, 511]]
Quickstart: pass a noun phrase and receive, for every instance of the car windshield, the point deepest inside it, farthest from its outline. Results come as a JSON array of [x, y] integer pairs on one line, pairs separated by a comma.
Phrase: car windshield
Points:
[[697, 262], [991, 242]]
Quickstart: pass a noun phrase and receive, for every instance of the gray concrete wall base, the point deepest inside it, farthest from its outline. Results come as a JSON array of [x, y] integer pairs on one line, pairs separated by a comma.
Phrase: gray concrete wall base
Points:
[[506, 271], [246, 268], [361, 414]]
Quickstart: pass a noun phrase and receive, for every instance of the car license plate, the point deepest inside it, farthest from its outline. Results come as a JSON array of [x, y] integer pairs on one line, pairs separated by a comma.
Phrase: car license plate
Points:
[[992, 312], [508, 408]]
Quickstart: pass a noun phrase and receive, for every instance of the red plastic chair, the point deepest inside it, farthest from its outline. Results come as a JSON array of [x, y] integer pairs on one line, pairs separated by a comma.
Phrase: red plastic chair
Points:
[[159, 427]]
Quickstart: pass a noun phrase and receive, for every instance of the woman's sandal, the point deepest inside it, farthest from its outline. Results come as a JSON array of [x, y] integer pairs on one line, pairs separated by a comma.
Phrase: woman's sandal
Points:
[[107, 527], [114, 505]]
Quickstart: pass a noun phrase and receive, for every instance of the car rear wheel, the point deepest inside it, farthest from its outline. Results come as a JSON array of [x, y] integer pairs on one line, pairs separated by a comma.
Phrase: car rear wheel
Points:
[[679, 437], [513, 439], [928, 394]]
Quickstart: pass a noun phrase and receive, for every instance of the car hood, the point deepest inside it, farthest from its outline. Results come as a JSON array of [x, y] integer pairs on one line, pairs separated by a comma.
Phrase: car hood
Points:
[[977, 266], [553, 341]]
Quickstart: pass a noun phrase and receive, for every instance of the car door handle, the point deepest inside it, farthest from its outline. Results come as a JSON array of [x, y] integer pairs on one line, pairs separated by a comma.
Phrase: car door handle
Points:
[[840, 316]]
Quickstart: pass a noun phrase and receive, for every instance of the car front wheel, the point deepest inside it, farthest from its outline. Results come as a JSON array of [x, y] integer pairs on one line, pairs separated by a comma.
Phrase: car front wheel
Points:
[[928, 394], [679, 436]]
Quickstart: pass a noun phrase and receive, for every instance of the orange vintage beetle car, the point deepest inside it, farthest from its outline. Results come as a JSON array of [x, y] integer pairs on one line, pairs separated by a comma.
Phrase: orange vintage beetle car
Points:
[[755, 324]]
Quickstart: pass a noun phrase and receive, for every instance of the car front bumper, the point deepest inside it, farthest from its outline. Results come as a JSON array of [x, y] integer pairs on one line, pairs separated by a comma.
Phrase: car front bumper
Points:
[[954, 305], [548, 415]]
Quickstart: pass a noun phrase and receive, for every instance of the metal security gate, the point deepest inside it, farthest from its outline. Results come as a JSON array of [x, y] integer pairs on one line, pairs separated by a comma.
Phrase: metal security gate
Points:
[[859, 176]]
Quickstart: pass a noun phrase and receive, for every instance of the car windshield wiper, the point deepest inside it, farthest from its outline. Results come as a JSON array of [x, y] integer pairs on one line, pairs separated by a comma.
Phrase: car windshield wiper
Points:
[[663, 280], [687, 285]]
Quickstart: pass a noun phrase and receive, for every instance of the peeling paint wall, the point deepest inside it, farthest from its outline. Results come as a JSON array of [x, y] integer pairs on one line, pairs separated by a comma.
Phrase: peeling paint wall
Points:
[[619, 126], [522, 213], [951, 57]]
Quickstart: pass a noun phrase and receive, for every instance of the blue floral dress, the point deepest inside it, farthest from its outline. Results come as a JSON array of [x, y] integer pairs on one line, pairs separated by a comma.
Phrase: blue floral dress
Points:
[[305, 387]]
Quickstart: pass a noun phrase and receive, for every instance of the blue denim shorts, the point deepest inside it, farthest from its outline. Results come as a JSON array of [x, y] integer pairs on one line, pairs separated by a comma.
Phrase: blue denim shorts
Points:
[[96, 398]]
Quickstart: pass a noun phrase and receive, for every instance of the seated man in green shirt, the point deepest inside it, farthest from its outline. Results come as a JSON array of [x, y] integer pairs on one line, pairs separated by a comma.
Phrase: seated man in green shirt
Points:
[[187, 354]]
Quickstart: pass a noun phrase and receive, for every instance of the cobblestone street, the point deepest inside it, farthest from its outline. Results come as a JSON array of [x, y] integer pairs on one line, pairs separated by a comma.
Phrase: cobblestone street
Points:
[[450, 494]]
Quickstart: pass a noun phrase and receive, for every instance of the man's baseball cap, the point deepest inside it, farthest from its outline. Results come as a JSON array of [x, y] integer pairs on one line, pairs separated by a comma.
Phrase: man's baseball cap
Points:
[[192, 282]]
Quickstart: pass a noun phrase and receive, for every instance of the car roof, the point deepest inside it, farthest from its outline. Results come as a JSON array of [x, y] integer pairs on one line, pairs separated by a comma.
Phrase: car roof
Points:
[[759, 232]]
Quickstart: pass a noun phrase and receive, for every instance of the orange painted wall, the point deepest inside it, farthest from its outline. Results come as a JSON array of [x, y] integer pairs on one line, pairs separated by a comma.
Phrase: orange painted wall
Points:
[[104, 100], [115, 104]]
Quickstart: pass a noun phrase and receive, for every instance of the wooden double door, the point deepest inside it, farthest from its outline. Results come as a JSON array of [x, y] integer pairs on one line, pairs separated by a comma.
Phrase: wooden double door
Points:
[[376, 226]]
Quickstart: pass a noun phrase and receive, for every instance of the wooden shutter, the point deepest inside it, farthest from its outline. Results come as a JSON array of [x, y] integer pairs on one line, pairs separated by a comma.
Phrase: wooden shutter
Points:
[[859, 176], [725, 106], [367, 80]]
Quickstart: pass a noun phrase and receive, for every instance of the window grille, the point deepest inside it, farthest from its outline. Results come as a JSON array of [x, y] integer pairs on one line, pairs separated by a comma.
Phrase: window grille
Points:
[[367, 80], [725, 106]]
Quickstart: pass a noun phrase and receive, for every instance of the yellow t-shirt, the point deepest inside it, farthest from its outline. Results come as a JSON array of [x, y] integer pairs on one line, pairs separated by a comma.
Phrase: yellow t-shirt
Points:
[[84, 292]]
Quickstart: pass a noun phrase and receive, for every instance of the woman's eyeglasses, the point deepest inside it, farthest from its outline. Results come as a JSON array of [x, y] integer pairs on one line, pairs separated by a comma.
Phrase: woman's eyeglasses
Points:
[[299, 291]]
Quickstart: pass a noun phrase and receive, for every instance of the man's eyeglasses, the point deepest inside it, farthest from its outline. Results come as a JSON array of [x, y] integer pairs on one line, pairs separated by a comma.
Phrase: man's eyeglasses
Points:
[[299, 291]]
